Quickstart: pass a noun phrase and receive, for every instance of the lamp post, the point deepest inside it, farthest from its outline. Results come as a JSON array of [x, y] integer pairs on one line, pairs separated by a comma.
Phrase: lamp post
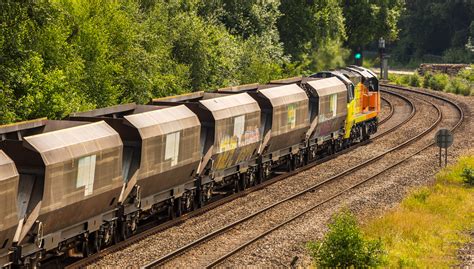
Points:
[[381, 53]]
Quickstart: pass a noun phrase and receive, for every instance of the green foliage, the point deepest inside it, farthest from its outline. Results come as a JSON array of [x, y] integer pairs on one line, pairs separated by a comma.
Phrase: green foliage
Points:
[[462, 84], [458, 55], [435, 27], [427, 228], [436, 81], [468, 176], [310, 30], [459, 85], [379, 17], [61, 56], [344, 246], [406, 80], [64, 56]]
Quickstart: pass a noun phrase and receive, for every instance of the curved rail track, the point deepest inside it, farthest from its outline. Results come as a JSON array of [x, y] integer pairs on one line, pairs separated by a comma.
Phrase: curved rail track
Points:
[[153, 229], [217, 232]]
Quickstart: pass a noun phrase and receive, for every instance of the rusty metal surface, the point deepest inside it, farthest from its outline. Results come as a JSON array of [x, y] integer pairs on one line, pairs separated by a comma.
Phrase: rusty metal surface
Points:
[[8, 128], [180, 98], [105, 110], [163, 121], [362, 71], [239, 88], [8, 200]]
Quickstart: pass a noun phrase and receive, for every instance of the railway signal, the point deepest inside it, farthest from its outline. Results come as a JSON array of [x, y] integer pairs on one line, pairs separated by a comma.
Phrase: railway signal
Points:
[[444, 139], [358, 57]]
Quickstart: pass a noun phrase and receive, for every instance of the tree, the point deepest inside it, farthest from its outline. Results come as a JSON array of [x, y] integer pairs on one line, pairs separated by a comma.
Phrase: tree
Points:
[[308, 28], [345, 247], [433, 27], [367, 21]]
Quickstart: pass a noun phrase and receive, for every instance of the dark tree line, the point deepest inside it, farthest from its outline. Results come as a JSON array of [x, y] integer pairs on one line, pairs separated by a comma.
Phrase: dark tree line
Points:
[[437, 27]]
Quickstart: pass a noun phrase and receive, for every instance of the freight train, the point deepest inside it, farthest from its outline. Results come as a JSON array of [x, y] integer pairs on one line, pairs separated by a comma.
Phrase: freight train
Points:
[[72, 187]]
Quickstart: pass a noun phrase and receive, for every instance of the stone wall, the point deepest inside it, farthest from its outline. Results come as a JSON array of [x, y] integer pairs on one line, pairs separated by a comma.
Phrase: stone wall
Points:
[[450, 69]]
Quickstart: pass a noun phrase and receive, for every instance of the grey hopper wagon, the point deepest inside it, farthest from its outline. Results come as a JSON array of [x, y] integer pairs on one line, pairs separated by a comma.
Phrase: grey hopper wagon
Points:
[[230, 135], [70, 177], [161, 148], [9, 179], [285, 118], [330, 96]]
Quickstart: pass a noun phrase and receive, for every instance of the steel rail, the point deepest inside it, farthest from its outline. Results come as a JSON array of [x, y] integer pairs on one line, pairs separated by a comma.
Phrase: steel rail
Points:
[[154, 229], [206, 237], [390, 113], [461, 118]]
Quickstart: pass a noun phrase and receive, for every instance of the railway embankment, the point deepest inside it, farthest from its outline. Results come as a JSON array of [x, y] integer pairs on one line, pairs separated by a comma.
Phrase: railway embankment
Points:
[[432, 227]]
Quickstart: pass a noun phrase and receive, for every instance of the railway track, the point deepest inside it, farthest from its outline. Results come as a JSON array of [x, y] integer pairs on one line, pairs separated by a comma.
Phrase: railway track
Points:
[[235, 250], [154, 228], [302, 194]]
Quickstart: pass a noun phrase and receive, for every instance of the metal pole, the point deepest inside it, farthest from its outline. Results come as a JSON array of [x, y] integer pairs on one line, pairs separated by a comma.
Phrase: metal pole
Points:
[[446, 157], [381, 64], [439, 156]]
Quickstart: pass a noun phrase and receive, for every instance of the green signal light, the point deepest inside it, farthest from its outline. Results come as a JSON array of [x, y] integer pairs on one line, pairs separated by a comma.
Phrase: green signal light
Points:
[[358, 56]]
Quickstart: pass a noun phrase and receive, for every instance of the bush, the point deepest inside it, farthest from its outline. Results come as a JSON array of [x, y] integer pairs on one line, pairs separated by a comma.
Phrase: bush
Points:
[[459, 86], [467, 74], [436, 82], [468, 176], [414, 80], [344, 246]]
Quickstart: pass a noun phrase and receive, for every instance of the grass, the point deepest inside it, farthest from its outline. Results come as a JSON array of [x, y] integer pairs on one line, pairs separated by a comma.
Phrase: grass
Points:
[[430, 224]]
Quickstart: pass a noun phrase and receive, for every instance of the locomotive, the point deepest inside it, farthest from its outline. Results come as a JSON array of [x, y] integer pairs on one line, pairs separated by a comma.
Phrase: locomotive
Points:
[[70, 187]]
